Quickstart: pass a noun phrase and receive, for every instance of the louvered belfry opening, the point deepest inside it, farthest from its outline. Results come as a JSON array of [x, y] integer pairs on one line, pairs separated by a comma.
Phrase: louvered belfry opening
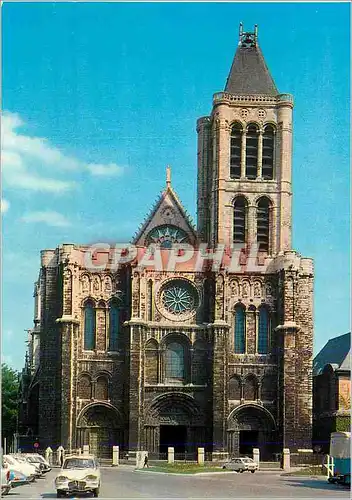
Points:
[[239, 220], [263, 224], [268, 153], [235, 155], [252, 152]]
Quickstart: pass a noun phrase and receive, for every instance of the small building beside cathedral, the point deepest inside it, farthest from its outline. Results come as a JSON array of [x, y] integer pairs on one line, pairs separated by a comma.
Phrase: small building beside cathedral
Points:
[[169, 347]]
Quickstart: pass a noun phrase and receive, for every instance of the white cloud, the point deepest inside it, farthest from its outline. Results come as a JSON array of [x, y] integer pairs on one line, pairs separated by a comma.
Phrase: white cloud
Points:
[[50, 218], [105, 170], [32, 163], [5, 205]]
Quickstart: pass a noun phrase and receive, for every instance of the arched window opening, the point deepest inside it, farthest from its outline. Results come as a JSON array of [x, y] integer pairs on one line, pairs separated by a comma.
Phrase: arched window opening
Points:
[[84, 387], [175, 362], [235, 388], [102, 389], [240, 329], [263, 330], [263, 225], [89, 327], [235, 151], [268, 153], [250, 388], [252, 152], [114, 327], [239, 220]]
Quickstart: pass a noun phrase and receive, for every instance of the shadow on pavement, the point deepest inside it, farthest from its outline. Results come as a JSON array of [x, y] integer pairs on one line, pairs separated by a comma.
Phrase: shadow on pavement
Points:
[[317, 484]]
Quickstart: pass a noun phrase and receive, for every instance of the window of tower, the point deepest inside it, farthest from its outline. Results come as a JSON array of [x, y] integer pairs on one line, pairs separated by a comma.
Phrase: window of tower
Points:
[[263, 225], [114, 326], [89, 326], [239, 220], [268, 153], [263, 330], [252, 137], [240, 329], [235, 153]]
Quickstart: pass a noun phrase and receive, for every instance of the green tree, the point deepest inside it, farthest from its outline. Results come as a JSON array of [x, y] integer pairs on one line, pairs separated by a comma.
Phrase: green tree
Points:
[[9, 400]]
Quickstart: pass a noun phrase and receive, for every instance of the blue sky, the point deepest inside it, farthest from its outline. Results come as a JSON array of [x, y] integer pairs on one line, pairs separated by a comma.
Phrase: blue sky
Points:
[[99, 98]]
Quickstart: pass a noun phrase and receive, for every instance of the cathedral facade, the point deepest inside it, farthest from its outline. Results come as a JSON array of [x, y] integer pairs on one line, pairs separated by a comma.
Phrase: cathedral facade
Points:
[[191, 336]]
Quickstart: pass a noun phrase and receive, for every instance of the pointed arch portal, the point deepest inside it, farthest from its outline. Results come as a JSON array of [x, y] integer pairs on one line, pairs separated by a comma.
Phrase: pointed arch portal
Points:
[[174, 420]]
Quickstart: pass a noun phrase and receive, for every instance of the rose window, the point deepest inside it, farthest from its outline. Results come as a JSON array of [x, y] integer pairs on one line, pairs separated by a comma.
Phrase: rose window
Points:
[[179, 298]]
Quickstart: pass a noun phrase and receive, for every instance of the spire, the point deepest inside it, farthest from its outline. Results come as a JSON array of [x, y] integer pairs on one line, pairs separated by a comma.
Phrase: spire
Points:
[[168, 176], [249, 73]]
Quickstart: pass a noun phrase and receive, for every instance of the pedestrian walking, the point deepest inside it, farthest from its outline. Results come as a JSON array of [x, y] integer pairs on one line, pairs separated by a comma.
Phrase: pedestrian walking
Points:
[[146, 461]]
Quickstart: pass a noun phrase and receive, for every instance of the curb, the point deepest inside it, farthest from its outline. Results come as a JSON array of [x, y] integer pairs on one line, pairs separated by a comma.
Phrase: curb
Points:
[[191, 474]]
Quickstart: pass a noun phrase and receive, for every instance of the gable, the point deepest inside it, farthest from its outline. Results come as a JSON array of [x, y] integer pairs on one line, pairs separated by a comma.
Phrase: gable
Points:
[[167, 220]]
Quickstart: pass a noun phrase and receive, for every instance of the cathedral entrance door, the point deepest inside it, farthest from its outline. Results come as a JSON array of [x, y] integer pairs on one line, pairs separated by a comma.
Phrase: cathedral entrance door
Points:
[[174, 436], [248, 441], [93, 441]]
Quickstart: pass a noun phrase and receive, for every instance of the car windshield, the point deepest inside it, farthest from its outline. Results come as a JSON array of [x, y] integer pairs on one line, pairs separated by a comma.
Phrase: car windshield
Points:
[[248, 460], [79, 463]]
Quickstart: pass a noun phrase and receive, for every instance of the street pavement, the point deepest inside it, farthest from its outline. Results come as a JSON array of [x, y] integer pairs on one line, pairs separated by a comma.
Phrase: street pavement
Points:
[[125, 482]]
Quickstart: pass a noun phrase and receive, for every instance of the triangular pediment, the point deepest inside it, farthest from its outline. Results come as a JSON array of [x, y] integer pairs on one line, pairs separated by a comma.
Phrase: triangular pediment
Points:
[[166, 220]]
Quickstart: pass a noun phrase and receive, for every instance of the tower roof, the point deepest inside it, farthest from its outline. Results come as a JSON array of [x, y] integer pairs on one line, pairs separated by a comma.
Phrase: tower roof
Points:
[[249, 73]]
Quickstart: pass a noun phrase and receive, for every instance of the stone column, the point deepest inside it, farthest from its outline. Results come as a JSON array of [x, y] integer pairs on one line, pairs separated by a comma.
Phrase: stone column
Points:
[[115, 456], [201, 456], [170, 455], [86, 449], [251, 225], [256, 455], [260, 154], [243, 155], [286, 465], [140, 459]]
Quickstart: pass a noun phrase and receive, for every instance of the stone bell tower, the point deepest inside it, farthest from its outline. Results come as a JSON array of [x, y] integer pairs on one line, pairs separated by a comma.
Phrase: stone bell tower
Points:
[[244, 150]]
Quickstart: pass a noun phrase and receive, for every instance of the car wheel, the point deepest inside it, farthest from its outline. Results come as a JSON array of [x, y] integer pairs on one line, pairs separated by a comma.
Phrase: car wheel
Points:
[[96, 492], [252, 471], [59, 494], [240, 470]]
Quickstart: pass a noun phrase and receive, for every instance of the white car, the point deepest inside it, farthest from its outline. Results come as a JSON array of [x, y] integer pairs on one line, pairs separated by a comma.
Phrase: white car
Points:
[[37, 460], [79, 474], [241, 464], [25, 468], [5, 481]]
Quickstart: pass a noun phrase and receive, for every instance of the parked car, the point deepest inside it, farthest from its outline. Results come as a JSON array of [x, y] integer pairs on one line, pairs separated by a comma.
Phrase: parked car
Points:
[[79, 474], [17, 478], [24, 468], [22, 459], [37, 460], [5, 480], [241, 464]]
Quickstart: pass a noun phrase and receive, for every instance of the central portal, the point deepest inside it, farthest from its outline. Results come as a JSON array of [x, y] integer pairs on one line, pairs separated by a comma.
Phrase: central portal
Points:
[[248, 441], [174, 436]]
